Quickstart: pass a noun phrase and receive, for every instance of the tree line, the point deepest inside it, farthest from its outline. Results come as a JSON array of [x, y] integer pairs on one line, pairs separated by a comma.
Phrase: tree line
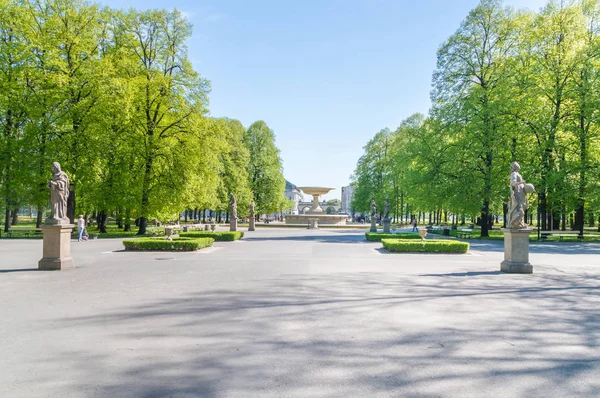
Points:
[[113, 97], [509, 85]]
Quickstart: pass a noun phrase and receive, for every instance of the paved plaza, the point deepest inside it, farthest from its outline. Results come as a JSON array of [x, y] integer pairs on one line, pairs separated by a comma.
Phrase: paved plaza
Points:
[[297, 313]]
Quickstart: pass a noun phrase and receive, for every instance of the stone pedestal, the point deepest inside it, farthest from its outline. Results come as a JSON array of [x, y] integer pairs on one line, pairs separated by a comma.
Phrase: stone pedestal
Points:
[[516, 251], [57, 247], [373, 225], [251, 224], [386, 225], [233, 224]]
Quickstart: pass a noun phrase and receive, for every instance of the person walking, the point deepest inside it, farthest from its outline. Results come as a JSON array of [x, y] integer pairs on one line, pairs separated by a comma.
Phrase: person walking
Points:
[[414, 223], [80, 227]]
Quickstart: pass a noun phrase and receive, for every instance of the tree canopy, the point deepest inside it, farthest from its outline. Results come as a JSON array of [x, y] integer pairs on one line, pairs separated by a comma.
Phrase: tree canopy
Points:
[[509, 85], [113, 97]]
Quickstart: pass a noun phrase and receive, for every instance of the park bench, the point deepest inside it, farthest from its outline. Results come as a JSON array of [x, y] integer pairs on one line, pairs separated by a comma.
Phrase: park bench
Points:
[[561, 234], [25, 232], [465, 233]]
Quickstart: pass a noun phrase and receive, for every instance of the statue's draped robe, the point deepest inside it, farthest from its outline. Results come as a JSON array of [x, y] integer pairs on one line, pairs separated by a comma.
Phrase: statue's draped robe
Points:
[[59, 192], [518, 201]]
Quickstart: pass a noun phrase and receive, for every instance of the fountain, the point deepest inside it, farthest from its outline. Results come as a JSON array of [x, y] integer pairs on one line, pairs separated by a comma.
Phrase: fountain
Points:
[[315, 215]]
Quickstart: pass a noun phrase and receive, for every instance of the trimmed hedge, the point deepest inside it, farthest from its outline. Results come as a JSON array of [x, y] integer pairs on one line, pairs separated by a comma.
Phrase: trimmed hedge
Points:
[[162, 244], [218, 236], [426, 246], [378, 236]]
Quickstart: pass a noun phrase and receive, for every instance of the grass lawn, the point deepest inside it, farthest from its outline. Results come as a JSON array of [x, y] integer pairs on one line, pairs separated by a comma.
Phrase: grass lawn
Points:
[[590, 235], [26, 226]]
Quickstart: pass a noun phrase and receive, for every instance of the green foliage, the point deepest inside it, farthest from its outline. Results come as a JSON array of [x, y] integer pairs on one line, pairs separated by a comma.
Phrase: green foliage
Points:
[[113, 96], [217, 236], [509, 85], [427, 246], [162, 244], [378, 236], [265, 171]]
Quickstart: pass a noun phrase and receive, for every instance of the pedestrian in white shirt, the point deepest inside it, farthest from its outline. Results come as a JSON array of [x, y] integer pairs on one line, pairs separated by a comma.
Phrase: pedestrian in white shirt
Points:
[[80, 226]]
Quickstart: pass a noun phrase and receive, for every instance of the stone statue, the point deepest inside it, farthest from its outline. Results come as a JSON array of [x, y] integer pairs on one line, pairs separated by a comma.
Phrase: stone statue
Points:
[[233, 205], [518, 198], [251, 221], [373, 208], [386, 209], [59, 193]]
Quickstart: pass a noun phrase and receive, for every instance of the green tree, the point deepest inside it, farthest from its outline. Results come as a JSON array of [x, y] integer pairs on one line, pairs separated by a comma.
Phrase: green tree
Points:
[[470, 85], [170, 101], [265, 170]]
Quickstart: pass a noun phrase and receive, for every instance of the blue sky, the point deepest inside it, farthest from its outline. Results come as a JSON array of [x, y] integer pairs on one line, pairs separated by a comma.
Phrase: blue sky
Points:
[[325, 75]]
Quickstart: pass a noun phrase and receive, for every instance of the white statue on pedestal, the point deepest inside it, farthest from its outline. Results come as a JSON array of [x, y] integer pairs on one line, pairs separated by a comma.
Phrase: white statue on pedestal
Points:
[[518, 198], [59, 193]]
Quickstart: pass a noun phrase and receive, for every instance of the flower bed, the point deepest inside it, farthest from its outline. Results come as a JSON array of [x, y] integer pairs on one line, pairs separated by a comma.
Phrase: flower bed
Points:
[[162, 244], [426, 246], [218, 236], [378, 236]]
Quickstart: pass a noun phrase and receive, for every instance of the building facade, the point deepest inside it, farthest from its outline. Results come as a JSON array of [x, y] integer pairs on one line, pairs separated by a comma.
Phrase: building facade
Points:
[[347, 194], [294, 194]]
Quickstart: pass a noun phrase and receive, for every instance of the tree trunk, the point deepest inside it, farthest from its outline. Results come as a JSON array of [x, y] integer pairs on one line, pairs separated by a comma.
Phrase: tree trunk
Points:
[[7, 220], [556, 220], [127, 226], [485, 219], [119, 219], [102, 216], [40, 216], [15, 217], [203, 216], [71, 202], [542, 210]]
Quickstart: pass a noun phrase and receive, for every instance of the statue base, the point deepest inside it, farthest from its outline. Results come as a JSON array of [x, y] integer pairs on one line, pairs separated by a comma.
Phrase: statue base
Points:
[[251, 224], [373, 225], [57, 247], [516, 251], [233, 225], [386, 225]]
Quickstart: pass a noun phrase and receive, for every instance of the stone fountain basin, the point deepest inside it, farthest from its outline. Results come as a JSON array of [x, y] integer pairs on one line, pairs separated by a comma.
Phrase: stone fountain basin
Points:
[[324, 219], [315, 190]]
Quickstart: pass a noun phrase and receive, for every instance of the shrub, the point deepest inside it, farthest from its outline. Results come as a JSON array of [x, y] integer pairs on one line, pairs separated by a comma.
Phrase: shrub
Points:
[[162, 244], [378, 236], [427, 246], [218, 236]]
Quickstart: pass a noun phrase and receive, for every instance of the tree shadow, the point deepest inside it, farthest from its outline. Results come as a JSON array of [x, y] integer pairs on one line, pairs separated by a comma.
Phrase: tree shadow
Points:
[[336, 334], [462, 274], [338, 238], [4, 271]]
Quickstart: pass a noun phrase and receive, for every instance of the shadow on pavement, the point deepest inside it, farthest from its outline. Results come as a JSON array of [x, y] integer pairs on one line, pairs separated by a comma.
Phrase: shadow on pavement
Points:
[[351, 332], [467, 273], [3, 271]]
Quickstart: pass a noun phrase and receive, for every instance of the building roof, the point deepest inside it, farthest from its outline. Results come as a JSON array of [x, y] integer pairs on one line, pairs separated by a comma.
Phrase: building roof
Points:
[[289, 186]]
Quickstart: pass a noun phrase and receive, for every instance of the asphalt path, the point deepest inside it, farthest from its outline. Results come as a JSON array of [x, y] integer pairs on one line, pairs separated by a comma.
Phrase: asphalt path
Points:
[[299, 313]]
